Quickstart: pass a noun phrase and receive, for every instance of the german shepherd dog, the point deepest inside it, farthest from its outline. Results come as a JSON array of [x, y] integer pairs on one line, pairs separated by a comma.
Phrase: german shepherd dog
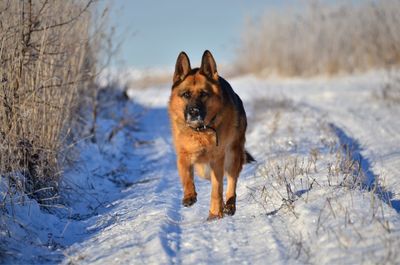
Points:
[[208, 123]]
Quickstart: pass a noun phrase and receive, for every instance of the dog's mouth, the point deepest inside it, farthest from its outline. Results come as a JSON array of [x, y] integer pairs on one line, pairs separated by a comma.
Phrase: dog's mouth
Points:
[[201, 126], [197, 125]]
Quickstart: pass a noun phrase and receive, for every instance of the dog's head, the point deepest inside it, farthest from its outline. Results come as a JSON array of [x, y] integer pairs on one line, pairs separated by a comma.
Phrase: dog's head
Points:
[[196, 96]]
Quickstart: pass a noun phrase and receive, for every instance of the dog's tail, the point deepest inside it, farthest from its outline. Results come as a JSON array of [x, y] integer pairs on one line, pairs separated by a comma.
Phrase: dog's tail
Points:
[[249, 158]]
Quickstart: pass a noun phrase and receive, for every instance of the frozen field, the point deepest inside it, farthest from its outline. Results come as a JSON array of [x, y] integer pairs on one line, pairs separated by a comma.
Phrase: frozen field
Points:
[[325, 188]]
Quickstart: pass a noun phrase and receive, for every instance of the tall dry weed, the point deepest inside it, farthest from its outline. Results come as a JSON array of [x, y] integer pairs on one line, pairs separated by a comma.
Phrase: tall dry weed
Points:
[[46, 64], [322, 38]]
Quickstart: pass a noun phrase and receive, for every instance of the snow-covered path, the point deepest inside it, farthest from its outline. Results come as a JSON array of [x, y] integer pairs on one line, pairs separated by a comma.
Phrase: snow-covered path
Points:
[[150, 225], [287, 119], [304, 201]]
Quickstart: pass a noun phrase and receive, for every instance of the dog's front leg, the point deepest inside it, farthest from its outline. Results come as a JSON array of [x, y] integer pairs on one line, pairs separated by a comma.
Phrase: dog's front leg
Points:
[[217, 185], [185, 170]]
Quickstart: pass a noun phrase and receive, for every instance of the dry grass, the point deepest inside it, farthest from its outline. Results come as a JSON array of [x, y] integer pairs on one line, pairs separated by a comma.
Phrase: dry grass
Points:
[[46, 64], [150, 79], [322, 39], [295, 186]]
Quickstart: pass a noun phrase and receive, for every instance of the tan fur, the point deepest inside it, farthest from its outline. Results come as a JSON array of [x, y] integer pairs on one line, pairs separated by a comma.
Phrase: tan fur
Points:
[[203, 170], [211, 153]]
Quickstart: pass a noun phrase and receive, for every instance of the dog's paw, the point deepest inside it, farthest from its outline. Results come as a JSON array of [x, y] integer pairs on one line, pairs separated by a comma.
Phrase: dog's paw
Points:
[[189, 201], [229, 209], [212, 217], [230, 206]]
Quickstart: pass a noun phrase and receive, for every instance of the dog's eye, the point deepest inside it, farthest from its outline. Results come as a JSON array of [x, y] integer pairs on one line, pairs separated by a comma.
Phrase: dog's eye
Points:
[[186, 95], [204, 94]]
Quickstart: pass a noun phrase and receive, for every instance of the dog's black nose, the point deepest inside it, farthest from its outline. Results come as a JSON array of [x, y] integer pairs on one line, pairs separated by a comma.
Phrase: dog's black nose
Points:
[[194, 111]]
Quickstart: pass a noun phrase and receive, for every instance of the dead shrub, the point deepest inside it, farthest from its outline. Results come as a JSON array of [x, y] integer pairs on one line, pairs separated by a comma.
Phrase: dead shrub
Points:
[[322, 39], [46, 64]]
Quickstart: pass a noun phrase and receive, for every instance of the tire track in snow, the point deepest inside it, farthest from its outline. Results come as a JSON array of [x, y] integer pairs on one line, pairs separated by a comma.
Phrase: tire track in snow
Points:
[[168, 188], [351, 145], [367, 121], [171, 232]]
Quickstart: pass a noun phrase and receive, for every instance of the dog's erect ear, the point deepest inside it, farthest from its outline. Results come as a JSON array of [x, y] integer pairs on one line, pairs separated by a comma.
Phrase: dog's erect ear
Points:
[[182, 67], [208, 66]]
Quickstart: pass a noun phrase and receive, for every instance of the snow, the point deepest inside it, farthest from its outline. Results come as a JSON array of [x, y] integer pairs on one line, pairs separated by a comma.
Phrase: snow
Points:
[[306, 200]]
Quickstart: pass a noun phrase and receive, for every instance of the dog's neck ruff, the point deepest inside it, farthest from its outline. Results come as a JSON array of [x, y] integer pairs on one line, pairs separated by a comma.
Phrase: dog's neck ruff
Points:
[[208, 127]]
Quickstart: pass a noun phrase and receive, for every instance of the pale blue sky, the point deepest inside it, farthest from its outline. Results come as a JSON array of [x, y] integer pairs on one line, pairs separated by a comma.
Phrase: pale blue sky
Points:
[[155, 31]]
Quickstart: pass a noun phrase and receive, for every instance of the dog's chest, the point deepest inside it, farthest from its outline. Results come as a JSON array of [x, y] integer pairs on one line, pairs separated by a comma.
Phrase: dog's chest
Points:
[[200, 145]]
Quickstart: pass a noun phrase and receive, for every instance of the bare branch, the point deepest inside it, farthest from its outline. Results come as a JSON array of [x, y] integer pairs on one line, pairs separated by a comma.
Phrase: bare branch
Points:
[[67, 21]]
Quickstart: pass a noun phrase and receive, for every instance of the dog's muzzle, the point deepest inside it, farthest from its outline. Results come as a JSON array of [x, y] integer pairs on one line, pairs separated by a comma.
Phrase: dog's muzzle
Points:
[[195, 116]]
